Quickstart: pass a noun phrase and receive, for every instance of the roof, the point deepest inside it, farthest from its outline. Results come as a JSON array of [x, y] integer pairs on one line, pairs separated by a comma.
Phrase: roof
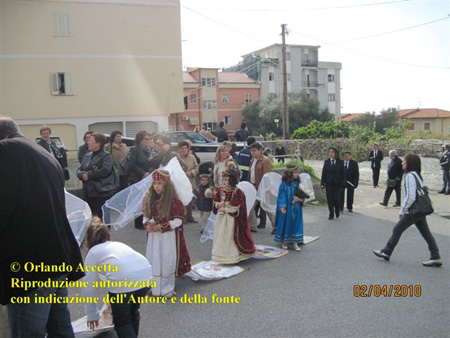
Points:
[[224, 77], [351, 117], [234, 77], [278, 45], [425, 113], [188, 78]]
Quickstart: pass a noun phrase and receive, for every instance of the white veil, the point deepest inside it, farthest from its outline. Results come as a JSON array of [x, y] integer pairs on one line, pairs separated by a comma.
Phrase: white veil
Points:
[[126, 205], [267, 193], [79, 216]]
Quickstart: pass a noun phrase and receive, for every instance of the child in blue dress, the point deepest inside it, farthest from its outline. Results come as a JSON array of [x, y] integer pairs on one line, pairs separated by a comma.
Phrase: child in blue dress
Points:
[[289, 214]]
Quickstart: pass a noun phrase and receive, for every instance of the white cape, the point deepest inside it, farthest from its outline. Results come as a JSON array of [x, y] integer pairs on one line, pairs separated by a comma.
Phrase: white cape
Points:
[[126, 205], [250, 197]]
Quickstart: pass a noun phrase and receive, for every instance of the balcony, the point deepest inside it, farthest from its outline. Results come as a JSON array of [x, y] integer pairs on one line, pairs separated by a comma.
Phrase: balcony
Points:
[[310, 84], [309, 63]]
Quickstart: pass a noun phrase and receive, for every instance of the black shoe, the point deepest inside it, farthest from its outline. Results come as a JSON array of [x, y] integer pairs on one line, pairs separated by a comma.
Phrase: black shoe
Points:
[[381, 254], [396, 205], [447, 193], [253, 230], [337, 215], [201, 232], [383, 204], [274, 231], [261, 226], [341, 210], [350, 210], [139, 227], [441, 192], [330, 217]]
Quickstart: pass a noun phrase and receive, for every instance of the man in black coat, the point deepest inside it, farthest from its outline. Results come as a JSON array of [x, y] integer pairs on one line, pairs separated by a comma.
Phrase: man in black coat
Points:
[[395, 172], [280, 152], [333, 179], [34, 234], [375, 157], [221, 133], [444, 162], [352, 175], [242, 134]]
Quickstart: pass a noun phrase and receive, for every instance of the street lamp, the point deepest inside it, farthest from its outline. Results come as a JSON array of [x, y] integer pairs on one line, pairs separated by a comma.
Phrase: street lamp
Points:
[[276, 121]]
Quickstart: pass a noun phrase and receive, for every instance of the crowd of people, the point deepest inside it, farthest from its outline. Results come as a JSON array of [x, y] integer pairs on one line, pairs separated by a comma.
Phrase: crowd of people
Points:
[[106, 168]]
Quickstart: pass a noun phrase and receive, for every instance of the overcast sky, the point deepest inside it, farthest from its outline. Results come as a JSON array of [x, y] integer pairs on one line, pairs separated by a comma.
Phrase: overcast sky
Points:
[[407, 68]]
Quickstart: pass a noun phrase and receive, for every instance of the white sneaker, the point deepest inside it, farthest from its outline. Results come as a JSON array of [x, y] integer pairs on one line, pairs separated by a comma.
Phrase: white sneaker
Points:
[[296, 247], [433, 262], [284, 246]]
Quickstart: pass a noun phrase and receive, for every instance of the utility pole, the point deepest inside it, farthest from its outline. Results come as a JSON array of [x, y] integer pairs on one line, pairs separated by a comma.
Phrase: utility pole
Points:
[[285, 113]]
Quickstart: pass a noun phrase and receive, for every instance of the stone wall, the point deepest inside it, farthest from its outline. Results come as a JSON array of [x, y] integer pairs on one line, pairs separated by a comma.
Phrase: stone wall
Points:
[[318, 149]]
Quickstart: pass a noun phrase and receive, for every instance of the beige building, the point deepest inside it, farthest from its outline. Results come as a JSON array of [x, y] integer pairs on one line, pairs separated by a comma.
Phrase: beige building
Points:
[[81, 65], [435, 121]]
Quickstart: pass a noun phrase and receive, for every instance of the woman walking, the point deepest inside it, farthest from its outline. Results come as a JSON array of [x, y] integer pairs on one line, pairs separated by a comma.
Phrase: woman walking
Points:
[[412, 167], [118, 151]]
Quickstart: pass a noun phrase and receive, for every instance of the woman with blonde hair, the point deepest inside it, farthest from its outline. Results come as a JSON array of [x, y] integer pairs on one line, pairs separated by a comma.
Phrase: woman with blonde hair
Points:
[[220, 163]]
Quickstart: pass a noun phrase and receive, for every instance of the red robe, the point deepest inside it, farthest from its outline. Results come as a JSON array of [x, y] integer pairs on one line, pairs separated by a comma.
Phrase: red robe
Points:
[[183, 259], [241, 235]]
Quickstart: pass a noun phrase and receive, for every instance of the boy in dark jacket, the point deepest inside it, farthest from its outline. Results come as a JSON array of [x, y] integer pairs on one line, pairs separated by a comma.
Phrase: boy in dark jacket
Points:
[[203, 204]]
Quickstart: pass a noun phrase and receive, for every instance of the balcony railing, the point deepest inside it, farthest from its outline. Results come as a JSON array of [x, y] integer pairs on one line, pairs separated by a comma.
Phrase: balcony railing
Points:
[[309, 63], [310, 84]]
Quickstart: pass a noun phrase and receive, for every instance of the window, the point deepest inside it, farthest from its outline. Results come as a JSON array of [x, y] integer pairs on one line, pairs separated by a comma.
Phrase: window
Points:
[[426, 126], [209, 104], [271, 76], [248, 99], [330, 77], [227, 119], [208, 81], [411, 126], [193, 98], [61, 24], [211, 125], [61, 84], [331, 97], [225, 98]]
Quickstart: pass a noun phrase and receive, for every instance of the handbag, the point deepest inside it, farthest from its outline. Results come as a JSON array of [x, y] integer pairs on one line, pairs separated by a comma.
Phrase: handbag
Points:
[[66, 174], [422, 206], [124, 165], [391, 183], [108, 184]]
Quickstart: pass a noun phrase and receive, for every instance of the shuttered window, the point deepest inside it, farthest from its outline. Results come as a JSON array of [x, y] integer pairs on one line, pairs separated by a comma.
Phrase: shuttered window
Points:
[[105, 127], [61, 24], [61, 83]]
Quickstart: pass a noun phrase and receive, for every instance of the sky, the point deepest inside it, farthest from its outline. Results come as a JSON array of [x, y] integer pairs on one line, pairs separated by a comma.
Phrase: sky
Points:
[[385, 62]]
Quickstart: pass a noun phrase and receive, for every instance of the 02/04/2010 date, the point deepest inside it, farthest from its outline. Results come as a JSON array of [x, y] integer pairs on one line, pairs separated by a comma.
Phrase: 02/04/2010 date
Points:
[[377, 290]]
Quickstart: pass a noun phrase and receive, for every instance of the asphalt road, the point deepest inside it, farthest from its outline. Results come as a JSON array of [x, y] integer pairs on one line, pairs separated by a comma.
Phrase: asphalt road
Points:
[[310, 293]]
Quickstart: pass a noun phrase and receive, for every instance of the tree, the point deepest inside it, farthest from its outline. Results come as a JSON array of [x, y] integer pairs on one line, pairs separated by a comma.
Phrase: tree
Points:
[[381, 122], [260, 115], [319, 130]]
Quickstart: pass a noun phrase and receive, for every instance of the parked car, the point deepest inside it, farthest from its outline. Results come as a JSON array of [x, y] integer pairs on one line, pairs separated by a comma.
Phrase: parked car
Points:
[[59, 143]]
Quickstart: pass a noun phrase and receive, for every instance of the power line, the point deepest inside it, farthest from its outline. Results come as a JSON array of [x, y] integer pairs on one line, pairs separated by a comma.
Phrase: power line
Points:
[[371, 56], [395, 31]]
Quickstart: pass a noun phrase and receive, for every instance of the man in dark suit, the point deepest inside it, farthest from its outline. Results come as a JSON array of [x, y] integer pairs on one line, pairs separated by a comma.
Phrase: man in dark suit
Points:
[[221, 133], [35, 235], [280, 153], [333, 179], [395, 172], [375, 157], [352, 175]]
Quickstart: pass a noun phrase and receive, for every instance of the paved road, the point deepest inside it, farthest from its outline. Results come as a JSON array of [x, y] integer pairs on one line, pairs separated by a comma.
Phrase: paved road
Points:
[[310, 294]]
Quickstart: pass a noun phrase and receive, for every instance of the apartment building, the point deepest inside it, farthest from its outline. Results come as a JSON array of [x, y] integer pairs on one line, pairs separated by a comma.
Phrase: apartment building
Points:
[[211, 96], [81, 65], [320, 80]]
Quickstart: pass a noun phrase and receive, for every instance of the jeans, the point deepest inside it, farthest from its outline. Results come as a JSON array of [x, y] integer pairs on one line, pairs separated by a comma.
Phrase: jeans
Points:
[[389, 190], [446, 180], [37, 319], [126, 315], [404, 223]]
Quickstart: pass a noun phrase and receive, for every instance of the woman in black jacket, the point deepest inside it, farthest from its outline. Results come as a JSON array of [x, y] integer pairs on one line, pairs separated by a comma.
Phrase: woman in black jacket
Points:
[[98, 175], [139, 157]]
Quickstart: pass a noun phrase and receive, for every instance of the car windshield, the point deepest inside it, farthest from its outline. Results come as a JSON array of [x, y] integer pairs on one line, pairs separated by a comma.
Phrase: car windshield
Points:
[[193, 137]]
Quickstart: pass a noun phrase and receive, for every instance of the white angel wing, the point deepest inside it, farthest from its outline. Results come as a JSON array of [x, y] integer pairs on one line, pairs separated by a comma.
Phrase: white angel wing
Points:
[[79, 216], [307, 182], [268, 191], [250, 197], [126, 205]]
